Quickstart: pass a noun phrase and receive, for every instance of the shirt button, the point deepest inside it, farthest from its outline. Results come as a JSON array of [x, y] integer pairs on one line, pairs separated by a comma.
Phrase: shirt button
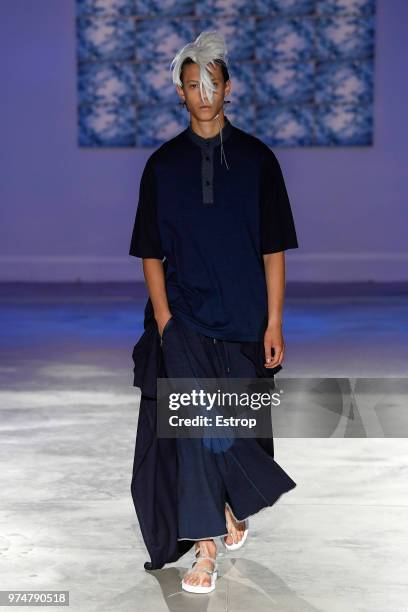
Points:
[[207, 182], [207, 158]]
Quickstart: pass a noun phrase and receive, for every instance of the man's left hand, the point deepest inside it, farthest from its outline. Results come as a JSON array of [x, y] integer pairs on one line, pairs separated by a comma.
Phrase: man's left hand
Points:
[[273, 343]]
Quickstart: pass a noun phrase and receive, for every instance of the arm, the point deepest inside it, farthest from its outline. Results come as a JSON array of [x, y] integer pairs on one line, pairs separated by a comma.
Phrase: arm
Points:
[[146, 244], [275, 282], [277, 235], [154, 276]]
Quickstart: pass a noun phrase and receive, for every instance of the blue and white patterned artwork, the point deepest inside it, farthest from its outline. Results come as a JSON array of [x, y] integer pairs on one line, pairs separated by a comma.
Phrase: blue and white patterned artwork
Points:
[[302, 71]]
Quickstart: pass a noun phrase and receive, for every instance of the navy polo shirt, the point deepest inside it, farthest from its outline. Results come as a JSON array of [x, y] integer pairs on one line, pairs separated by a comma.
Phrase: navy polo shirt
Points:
[[213, 224]]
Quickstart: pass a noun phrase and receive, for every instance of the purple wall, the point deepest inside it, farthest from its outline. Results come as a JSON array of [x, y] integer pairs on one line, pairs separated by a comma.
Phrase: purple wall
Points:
[[67, 213]]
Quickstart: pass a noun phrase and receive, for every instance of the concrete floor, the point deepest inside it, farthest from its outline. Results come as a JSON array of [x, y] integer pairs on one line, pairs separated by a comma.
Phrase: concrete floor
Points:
[[336, 543]]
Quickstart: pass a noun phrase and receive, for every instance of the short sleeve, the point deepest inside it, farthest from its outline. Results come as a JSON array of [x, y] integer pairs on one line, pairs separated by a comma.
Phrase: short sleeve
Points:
[[277, 230], [145, 240]]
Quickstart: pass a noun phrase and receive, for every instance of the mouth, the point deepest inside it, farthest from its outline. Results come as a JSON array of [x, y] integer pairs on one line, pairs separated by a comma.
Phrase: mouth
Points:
[[204, 107]]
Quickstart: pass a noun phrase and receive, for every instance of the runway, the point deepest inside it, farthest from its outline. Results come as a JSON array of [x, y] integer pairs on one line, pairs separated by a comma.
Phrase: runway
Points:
[[69, 416]]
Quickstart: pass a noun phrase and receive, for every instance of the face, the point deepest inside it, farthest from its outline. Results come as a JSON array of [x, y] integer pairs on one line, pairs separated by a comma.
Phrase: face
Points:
[[190, 92]]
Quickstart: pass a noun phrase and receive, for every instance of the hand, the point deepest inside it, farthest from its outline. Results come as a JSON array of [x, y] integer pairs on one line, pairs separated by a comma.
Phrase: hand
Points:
[[273, 339], [162, 322]]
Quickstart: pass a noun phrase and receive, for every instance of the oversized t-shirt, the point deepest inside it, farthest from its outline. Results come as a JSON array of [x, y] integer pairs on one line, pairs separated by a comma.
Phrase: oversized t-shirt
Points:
[[213, 223]]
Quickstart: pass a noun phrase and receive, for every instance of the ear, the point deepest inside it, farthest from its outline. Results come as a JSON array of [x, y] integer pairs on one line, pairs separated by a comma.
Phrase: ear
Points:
[[180, 92], [228, 87]]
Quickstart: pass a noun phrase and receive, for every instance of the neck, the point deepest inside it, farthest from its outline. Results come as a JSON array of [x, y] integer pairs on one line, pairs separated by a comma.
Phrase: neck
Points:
[[208, 128]]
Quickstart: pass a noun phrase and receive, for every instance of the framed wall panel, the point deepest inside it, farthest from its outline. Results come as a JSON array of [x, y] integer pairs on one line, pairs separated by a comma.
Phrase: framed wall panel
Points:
[[302, 71]]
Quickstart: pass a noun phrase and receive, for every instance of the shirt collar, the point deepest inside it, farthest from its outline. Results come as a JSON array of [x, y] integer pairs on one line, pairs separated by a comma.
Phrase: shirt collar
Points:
[[214, 140]]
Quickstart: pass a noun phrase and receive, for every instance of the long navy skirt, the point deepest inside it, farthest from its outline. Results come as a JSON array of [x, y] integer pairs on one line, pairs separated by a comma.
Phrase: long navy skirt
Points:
[[215, 472], [155, 478]]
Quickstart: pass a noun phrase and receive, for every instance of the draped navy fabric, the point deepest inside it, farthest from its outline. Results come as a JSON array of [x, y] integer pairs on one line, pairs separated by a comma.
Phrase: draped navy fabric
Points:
[[154, 479]]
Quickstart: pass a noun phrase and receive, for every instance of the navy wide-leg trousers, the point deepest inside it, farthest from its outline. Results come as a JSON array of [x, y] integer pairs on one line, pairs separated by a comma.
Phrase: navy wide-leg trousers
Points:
[[213, 472]]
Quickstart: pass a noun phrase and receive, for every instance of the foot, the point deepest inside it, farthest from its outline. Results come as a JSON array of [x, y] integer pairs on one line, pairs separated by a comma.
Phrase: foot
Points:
[[196, 576], [235, 528]]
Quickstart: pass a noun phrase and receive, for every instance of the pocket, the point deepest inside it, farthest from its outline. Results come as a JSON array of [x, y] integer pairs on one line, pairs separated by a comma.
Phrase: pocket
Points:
[[165, 328]]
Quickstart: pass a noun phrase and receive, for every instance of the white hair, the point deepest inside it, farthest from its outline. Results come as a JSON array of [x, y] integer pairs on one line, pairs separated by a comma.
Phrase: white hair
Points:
[[207, 47]]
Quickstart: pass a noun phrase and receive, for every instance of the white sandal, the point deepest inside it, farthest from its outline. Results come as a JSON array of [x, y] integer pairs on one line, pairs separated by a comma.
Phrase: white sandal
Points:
[[239, 544], [200, 588]]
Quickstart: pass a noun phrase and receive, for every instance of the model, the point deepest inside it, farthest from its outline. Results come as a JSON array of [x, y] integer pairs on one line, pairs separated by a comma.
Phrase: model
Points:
[[212, 224]]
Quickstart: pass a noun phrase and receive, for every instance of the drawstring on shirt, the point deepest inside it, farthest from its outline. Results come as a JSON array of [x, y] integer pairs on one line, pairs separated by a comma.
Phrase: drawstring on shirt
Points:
[[222, 144]]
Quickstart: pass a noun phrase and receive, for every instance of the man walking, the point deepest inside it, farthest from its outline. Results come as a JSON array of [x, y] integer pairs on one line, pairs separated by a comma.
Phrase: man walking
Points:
[[213, 205]]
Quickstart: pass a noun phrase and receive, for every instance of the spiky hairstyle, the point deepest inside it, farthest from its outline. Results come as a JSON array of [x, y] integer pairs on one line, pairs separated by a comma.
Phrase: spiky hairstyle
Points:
[[207, 47]]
